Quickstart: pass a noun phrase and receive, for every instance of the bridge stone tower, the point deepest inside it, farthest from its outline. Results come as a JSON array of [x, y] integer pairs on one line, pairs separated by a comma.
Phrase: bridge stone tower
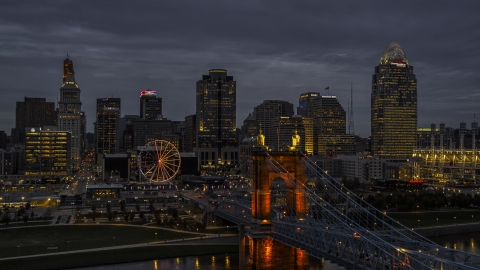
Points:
[[264, 175]]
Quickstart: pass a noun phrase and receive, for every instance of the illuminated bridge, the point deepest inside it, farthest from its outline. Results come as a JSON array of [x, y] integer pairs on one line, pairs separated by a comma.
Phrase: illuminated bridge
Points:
[[296, 203]]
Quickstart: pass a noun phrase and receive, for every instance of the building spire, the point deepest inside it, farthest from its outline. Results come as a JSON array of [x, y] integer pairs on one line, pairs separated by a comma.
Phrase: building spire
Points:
[[351, 125]]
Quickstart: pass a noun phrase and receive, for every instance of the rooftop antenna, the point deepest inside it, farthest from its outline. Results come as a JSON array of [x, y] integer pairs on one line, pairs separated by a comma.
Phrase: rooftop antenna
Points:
[[351, 125]]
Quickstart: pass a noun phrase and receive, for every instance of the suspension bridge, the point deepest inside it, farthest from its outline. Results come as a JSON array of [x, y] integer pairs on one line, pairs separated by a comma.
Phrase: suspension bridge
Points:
[[295, 202]]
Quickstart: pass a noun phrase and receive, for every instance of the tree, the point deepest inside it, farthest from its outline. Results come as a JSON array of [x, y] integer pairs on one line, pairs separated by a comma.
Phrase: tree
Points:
[[94, 215], [158, 219], [151, 207], [25, 218], [94, 208], [27, 206], [110, 217], [132, 216], [142, 216], [137, 206], [126, 218], [47, 214], [109, 208], [6, 219], [122, 206]]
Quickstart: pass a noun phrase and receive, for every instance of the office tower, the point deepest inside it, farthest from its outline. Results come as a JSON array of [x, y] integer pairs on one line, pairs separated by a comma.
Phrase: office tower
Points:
[[249, 128], [125, 132], [47, 153], [329, 116], [70, 115], [305, 104], [33, 112], [190, 133], [267, 113], [217, 141], [329, 121], [106, 136], [394, 105], [150, 105], [145, 131], [3, 139], [295, 126], [179, 130]]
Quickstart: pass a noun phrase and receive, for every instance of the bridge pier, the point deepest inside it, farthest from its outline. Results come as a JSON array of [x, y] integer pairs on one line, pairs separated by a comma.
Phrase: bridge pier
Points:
[[241, 250]]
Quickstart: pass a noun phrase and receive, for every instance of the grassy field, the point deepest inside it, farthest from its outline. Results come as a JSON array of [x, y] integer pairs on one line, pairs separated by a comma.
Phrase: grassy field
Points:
[[50, 239], [429, 218], [114, 256]]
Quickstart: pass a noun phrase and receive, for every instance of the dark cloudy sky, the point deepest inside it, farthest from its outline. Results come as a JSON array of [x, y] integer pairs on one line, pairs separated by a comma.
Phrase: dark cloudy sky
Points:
[[274, 50]]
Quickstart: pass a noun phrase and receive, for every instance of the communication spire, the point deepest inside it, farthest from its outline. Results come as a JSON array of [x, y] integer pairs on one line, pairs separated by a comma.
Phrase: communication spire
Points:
[[351, 126]]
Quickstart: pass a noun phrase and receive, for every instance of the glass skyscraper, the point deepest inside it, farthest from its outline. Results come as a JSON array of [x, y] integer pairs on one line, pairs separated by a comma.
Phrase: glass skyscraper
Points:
[[394, 105], [217, 140]]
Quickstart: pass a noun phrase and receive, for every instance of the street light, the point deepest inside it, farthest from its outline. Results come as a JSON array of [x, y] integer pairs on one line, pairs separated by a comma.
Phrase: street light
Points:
[[18, 251], [472, 218], [114, 241], [437, 221], [155, 237]]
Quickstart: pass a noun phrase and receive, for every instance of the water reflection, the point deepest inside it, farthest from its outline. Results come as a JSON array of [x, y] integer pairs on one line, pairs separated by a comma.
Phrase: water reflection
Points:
[[296, 259], [265, 253], [269, 254], [466, 242]]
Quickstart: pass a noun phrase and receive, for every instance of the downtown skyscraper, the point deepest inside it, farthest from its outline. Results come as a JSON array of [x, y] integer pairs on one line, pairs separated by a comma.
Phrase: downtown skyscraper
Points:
[[70, 115], [107, 127], [216, 115], [394, 105]]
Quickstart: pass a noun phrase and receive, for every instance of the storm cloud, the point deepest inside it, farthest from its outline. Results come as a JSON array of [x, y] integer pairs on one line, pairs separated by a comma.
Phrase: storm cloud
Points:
[[274, 50]]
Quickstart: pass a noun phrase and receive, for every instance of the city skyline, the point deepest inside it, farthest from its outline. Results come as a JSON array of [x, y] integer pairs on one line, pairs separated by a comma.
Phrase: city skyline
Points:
[[297, 49]]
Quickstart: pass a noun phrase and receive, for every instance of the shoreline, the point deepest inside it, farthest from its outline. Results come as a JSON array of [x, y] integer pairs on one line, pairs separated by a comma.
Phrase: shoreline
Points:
[[117, 256]]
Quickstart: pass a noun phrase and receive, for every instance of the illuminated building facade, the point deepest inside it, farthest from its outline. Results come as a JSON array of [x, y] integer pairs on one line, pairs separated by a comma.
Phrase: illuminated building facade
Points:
[[217, 140], [145, 131], [441, 163], [106, 126], [70, 115], [305, 104], [329, 121], [47, 152], [249, 128], [33, 112], [150, 105], [292, 126], [267, 113], [394, 105]]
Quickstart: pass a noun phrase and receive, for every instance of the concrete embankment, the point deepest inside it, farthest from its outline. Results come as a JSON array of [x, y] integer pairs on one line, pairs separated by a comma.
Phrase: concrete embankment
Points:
[[448, 229]]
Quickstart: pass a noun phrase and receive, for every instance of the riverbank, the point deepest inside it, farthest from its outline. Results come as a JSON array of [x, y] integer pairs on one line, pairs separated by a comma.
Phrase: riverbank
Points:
[[114, 256]]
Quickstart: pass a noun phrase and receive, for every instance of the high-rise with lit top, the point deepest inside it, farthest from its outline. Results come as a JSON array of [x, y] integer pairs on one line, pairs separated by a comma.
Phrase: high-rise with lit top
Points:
[[70, 115], [394, 105]]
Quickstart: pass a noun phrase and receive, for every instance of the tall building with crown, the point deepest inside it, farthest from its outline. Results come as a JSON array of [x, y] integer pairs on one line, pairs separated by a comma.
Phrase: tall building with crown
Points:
[[394, 105], [70, 115]]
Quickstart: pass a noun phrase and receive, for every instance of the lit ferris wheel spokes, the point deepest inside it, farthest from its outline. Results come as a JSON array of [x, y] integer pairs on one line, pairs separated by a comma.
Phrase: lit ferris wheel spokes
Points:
[[159, 161]]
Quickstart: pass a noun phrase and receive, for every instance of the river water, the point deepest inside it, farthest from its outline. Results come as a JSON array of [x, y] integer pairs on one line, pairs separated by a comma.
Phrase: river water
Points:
[[469, 242]]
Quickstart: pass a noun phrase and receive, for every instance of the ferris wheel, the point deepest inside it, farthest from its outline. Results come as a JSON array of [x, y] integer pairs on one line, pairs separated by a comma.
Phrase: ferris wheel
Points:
[[158, 161]]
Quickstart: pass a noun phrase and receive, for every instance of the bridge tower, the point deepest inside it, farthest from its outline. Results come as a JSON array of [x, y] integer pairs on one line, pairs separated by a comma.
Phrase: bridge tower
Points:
[[263, 177]]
